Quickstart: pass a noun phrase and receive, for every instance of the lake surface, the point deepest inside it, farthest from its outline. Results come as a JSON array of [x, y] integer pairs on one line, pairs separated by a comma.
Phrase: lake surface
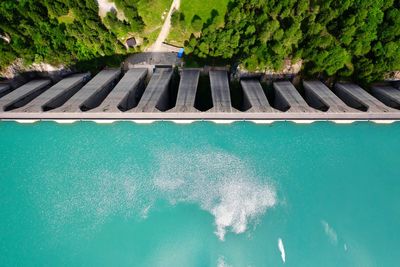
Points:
[[199, 195]]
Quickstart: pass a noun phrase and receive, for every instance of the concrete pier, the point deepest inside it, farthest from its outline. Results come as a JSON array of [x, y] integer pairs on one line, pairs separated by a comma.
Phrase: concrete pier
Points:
[[56, 95], [92, 94], [156, 96], [288, 99], [187, 91], [322, 98], [99, 100], [254, 97], [221, 95], [23, 95], [356, 97], [388, 95], [126, 93], [4, 89]]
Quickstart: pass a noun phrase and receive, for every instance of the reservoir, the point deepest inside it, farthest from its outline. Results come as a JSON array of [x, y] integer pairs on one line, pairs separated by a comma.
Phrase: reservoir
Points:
[[200, 194]]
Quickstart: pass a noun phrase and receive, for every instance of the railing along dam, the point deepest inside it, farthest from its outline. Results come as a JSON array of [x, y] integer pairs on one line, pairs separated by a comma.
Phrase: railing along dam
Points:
[[168, 95]]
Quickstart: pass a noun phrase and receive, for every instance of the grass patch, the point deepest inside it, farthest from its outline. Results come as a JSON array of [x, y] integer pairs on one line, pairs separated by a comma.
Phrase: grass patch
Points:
[[151, 11], [192, 8], [67, 19]]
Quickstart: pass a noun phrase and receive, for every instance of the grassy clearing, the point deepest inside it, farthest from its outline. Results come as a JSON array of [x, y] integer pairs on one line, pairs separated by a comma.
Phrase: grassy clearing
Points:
[[67, 19], [152, 11], [192, 8]]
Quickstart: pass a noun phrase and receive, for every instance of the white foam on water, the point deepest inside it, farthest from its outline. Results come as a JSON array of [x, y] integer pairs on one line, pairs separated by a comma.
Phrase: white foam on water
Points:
[[384, 121], [143, 121], [330, 232], [26, 121], [221, 262], [239, 202], [263, 121], [281, 248], [223, 121], [104, 121], [219, 183], [183, 121], [65, 121], [303, 121], [344, 121]]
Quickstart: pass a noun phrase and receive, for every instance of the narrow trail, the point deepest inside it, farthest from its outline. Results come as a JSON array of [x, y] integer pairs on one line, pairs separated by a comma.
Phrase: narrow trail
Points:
[[157, 46]]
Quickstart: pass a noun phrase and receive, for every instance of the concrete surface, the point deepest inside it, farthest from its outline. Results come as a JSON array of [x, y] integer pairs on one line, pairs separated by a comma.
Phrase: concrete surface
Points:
[[4, 89], [159, 96], [56, 95], [221, 95], [254, 97], [288, 99], [323, 98], [356, 97], [156, 97], [187, 91], [91, 95], [23, 95], [126, 93], [388, 95]]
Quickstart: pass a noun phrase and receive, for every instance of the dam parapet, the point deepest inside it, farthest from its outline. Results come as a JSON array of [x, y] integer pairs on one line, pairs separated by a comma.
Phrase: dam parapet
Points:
[[168, 94]]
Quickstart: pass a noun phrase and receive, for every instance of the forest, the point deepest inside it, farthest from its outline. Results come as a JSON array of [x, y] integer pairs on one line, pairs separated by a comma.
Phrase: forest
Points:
[[352, 39], [63, 31]]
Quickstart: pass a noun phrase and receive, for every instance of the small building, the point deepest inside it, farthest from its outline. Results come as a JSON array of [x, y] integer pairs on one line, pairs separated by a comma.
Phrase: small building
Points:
[[131, 42]]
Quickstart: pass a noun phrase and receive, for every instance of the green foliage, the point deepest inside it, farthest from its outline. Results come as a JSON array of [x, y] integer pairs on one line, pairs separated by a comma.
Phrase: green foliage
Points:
[[347, 38], [359, 38], [63, 31], [197, 23], [177, 19], [196, 13]]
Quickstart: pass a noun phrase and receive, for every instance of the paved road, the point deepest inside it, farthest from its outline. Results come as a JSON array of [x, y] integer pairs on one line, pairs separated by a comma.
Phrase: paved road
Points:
[[157, 46]]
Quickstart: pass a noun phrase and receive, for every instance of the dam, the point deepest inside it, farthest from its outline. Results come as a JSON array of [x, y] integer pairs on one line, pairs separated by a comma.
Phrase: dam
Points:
[[169, 94]]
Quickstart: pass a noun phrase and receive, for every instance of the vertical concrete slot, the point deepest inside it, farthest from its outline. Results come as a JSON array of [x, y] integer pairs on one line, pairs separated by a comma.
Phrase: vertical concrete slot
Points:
[[26, 99], [314, 101], [237, 97], [61, 99], [349, 100], [389, 96], [132, 99], [4, 89], [279, 101], [95, 100], [269, 92], [203, 100], [168, 98]]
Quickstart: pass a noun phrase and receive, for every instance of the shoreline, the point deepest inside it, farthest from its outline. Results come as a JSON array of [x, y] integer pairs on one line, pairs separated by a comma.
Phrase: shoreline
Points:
[[185, 122]]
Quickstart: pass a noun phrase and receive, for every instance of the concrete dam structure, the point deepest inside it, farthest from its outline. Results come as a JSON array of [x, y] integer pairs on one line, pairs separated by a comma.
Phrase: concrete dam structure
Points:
[[168, 94]]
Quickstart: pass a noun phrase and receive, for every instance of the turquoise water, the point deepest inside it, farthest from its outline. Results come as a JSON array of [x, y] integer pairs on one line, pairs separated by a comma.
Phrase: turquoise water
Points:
[[199, 195]]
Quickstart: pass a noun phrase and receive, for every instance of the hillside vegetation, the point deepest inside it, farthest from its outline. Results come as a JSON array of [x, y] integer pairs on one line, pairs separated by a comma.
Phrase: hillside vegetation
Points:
[[191, 16], [357, 38], [69, 31]]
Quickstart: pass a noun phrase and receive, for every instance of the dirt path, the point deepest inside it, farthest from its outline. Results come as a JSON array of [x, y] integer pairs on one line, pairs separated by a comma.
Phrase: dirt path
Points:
[[157, 46]]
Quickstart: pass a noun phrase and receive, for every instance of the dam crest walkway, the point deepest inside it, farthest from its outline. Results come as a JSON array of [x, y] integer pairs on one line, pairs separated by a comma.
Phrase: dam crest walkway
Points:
[[189, 95]]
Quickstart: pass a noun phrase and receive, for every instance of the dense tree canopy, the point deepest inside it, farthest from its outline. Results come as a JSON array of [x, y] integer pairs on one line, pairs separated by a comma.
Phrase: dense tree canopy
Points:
[[359, 38], [62, 31], [348, 38]]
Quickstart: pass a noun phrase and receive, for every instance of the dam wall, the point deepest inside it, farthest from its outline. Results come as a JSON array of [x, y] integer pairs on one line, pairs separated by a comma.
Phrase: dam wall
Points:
[[138, 94]]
